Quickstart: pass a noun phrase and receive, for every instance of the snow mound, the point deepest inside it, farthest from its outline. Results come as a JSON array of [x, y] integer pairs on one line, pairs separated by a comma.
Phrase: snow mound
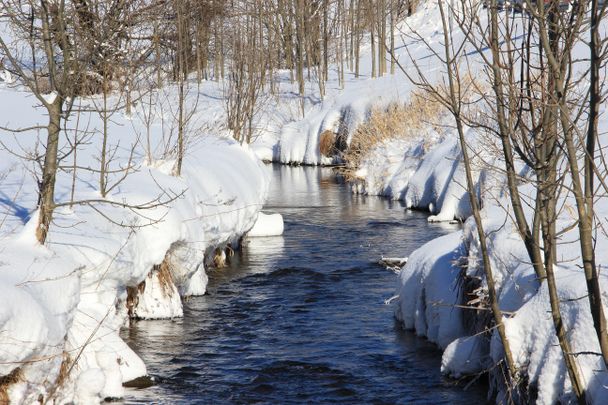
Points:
[[135, 254], [428, 291], [267, 225]]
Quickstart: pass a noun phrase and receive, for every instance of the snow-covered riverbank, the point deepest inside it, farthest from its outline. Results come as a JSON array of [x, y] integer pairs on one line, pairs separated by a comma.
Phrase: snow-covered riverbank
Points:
[[64, 303], [138, 256], [442, 285], [142, 247]]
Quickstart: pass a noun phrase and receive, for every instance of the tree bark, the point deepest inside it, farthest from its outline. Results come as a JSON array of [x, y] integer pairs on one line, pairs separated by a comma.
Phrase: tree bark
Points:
[[46, 203]]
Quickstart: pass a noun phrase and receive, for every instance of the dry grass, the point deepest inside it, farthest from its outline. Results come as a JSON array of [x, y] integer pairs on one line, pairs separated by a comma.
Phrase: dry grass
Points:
[[397, 121], [327, 142], [133, 294], [164, 276], [219, 258], [222, 256], [165, 279], [6, 381], [64, 369]]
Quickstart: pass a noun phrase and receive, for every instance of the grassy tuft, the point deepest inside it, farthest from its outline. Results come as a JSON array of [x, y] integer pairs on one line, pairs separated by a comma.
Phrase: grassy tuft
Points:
[[396, 121], [164, 276], [6, 381], [327, 141]]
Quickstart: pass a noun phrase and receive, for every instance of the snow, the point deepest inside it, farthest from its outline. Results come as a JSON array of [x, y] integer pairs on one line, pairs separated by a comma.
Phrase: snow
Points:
[[428, 291], [425, 171], [65, 302], [528, 321], [6, 77], [158, 301], [102, 261], [267, 225], [465, 356], [50, 98], [89, 385], [296, 139]]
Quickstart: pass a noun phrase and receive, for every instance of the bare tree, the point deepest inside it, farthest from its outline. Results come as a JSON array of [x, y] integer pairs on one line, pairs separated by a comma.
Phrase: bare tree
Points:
[[44, 54], [453, 96]]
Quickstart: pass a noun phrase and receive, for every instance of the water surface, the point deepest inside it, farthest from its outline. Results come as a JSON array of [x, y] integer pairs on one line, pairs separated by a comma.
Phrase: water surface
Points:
[[301, 318]]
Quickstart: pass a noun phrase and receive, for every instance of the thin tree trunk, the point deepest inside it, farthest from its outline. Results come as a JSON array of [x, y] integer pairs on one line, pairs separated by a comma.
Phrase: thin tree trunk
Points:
[[455, 107], [182, 77], [586, 228], [351, 51], [393, 21], [104, 142], [358, 40], [372, 37], [546, 147], [325, 40], [382, 38], [531, 244], [46, 202], [159, 80], [300, 50], [342, 40]]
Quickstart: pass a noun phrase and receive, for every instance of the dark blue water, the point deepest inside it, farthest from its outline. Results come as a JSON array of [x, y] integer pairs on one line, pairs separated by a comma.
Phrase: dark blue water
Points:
[[301, 318]]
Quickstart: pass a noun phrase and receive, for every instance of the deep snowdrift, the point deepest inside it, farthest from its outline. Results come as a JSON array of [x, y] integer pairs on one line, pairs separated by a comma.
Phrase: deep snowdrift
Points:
[[64, 303], [425, 171]]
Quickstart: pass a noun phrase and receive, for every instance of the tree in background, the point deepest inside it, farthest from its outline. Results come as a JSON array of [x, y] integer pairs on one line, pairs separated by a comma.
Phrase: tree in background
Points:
[[47, 57]]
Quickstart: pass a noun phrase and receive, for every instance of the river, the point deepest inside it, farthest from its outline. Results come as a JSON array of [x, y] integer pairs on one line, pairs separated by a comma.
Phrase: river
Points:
[[301, 318]]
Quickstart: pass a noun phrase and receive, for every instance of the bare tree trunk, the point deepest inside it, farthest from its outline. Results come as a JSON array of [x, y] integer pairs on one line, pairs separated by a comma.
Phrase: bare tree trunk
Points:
[[158, 57], [104, 142], [351, 53], [547, 146], [180, 129], [505, 132], [74, 161], [382, 38], [300, 4], [216, 49], [326, 39], [182, 70], [372, 22], [221, 49], [342, 40], [46, 203], [358, 40], [586, 226], [393, 22], [455, 108]]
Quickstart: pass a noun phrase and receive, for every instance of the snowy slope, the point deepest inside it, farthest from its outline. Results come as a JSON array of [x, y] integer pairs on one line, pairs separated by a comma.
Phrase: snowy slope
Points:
[[64, 303], [426, 173]]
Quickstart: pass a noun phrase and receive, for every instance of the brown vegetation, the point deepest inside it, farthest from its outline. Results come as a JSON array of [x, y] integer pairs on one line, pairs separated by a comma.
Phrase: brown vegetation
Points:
[[64, 369], [6, 381], [163, 272], [165, 279], [133, 294], [327, 141], [219, 258], [396, 121]]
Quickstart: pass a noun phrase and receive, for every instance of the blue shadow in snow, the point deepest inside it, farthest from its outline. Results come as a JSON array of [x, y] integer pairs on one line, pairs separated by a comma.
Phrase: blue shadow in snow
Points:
[[17, 210]]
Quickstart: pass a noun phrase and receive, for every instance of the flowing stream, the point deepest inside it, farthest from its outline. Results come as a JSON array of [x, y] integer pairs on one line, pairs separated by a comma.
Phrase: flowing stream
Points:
[[301, 318]]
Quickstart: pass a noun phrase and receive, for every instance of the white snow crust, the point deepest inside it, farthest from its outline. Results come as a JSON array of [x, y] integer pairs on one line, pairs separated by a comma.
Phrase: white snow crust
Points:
[[426, 172], [66, 301], [267, 225]]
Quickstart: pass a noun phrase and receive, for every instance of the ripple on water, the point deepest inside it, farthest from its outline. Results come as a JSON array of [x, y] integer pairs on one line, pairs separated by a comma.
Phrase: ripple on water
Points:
[[300, 318]]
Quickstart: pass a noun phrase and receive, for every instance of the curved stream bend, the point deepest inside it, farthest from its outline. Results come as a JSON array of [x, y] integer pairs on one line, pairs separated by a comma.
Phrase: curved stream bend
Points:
[[301, 318]]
